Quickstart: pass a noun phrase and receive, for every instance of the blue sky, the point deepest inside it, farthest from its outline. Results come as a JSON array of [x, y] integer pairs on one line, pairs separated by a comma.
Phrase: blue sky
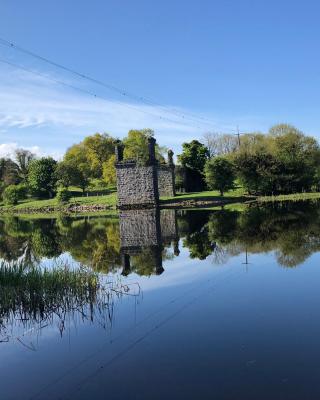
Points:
[[246, 63]]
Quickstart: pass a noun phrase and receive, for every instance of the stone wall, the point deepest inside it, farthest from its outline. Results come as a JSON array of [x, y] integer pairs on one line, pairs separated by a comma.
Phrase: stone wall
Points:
[[166, 180], [139, 228], [140, 235], [168, 223], [137, 185]]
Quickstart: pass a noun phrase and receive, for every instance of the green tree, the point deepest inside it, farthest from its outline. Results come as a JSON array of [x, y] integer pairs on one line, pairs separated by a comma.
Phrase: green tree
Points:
[[136, 145], [99, 148], [219, 174], [282, 161], [41, 177], [109, 171], [93, 152], [194, 156], [66, 174]]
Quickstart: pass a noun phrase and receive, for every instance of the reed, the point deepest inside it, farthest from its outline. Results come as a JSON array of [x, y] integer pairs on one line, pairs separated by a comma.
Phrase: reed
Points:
[[32, 296]]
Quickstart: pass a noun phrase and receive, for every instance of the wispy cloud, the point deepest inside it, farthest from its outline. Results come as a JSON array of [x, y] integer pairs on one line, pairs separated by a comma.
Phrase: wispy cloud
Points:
[[34, 111]]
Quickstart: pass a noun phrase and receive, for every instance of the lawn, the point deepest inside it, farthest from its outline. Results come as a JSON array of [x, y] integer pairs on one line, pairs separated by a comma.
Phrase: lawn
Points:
[[32, 204], [239, 192], [290, 197]]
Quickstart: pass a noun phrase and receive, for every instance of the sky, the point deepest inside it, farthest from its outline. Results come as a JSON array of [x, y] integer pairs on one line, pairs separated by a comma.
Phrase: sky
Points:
[[207, 65]]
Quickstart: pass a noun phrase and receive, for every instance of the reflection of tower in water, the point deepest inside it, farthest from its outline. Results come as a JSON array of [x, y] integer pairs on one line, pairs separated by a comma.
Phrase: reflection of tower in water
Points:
[[143, 235]]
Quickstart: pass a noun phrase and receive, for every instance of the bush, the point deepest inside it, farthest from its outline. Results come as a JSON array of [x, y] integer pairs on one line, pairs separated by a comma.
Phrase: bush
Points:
[[13, 193], [63, 195]]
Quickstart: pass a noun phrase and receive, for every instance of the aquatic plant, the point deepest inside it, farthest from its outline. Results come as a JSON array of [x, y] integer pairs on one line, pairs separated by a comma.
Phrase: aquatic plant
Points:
[[36, 297]]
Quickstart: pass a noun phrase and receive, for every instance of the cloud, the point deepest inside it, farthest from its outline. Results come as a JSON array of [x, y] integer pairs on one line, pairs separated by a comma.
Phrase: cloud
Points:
[[8, 149], [31, 105]]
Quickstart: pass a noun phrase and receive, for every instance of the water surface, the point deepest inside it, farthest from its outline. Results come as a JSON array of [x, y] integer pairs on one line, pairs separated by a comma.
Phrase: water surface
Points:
[[197, 304]]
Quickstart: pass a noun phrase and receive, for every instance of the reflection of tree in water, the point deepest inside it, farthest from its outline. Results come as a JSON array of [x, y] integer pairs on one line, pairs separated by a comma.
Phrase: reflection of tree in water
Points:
[[93, 242], [291, 230], [33, 298]]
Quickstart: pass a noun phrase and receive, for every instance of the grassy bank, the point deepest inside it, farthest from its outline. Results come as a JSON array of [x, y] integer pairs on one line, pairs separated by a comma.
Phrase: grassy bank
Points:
[[107, 201], [289, 197], [205, 199]]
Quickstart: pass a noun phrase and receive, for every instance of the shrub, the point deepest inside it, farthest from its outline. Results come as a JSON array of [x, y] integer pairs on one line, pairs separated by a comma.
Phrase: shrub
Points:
[[63, 195], [13, 193]]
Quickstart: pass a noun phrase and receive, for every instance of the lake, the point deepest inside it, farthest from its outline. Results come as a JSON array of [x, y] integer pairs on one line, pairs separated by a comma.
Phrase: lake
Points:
[[216, 304]]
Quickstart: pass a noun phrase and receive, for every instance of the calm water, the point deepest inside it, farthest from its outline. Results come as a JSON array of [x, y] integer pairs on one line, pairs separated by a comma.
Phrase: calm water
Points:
[[192, 305]]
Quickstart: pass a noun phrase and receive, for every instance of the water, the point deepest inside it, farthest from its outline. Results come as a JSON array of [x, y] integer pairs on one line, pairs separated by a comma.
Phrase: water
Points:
[[202, 304]]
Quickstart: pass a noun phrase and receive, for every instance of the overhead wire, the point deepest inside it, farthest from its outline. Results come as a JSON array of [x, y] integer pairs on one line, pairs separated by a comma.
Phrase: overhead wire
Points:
[[93, 94], [123, 92]]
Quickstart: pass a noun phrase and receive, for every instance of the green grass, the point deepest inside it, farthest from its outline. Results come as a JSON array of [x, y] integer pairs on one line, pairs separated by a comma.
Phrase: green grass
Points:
[[289, 197], [31, 204], [207, 195]]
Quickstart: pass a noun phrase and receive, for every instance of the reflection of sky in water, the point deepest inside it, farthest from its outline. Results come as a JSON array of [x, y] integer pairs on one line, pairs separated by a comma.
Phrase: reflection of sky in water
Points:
[[198, 330]]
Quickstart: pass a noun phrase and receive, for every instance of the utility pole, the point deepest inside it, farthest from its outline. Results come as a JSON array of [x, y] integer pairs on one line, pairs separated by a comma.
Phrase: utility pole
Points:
[[238, 134]]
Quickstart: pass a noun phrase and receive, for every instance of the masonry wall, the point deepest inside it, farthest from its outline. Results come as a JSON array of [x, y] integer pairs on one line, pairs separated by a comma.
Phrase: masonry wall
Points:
[[168, 223], [166, 180], [139, 228], [137, 185]]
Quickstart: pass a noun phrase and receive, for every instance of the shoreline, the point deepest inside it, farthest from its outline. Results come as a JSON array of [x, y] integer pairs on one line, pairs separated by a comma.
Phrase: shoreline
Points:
[[185, 201]]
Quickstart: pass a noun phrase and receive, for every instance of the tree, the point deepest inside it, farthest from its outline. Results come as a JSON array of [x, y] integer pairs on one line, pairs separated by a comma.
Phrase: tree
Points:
[[82, 178], [41, 177], [136, 145], [8, 172], [93, 151], [99, 148], [194, 156], [219, 174], [193, 159], [282, 161], [66, 174], [220, 144], [23, 158], [109, 171]]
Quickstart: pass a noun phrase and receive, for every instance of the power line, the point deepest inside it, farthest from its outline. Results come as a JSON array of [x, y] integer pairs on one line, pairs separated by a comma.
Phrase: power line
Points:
[[88, 92], [122, 92]]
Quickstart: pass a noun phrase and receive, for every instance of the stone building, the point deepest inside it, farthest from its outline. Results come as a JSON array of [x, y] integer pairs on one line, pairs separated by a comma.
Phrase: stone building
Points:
[[143, 236], [140, 186]]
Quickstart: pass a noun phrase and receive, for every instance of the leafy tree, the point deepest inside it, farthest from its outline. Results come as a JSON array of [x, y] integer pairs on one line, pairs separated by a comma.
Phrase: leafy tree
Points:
[[282, 161], [109, 171], [66, 174], [194, 156], [219, 174], [136, 145], [99, 148], [93, 151], [82, 179], [76, 154], [42, 179]]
